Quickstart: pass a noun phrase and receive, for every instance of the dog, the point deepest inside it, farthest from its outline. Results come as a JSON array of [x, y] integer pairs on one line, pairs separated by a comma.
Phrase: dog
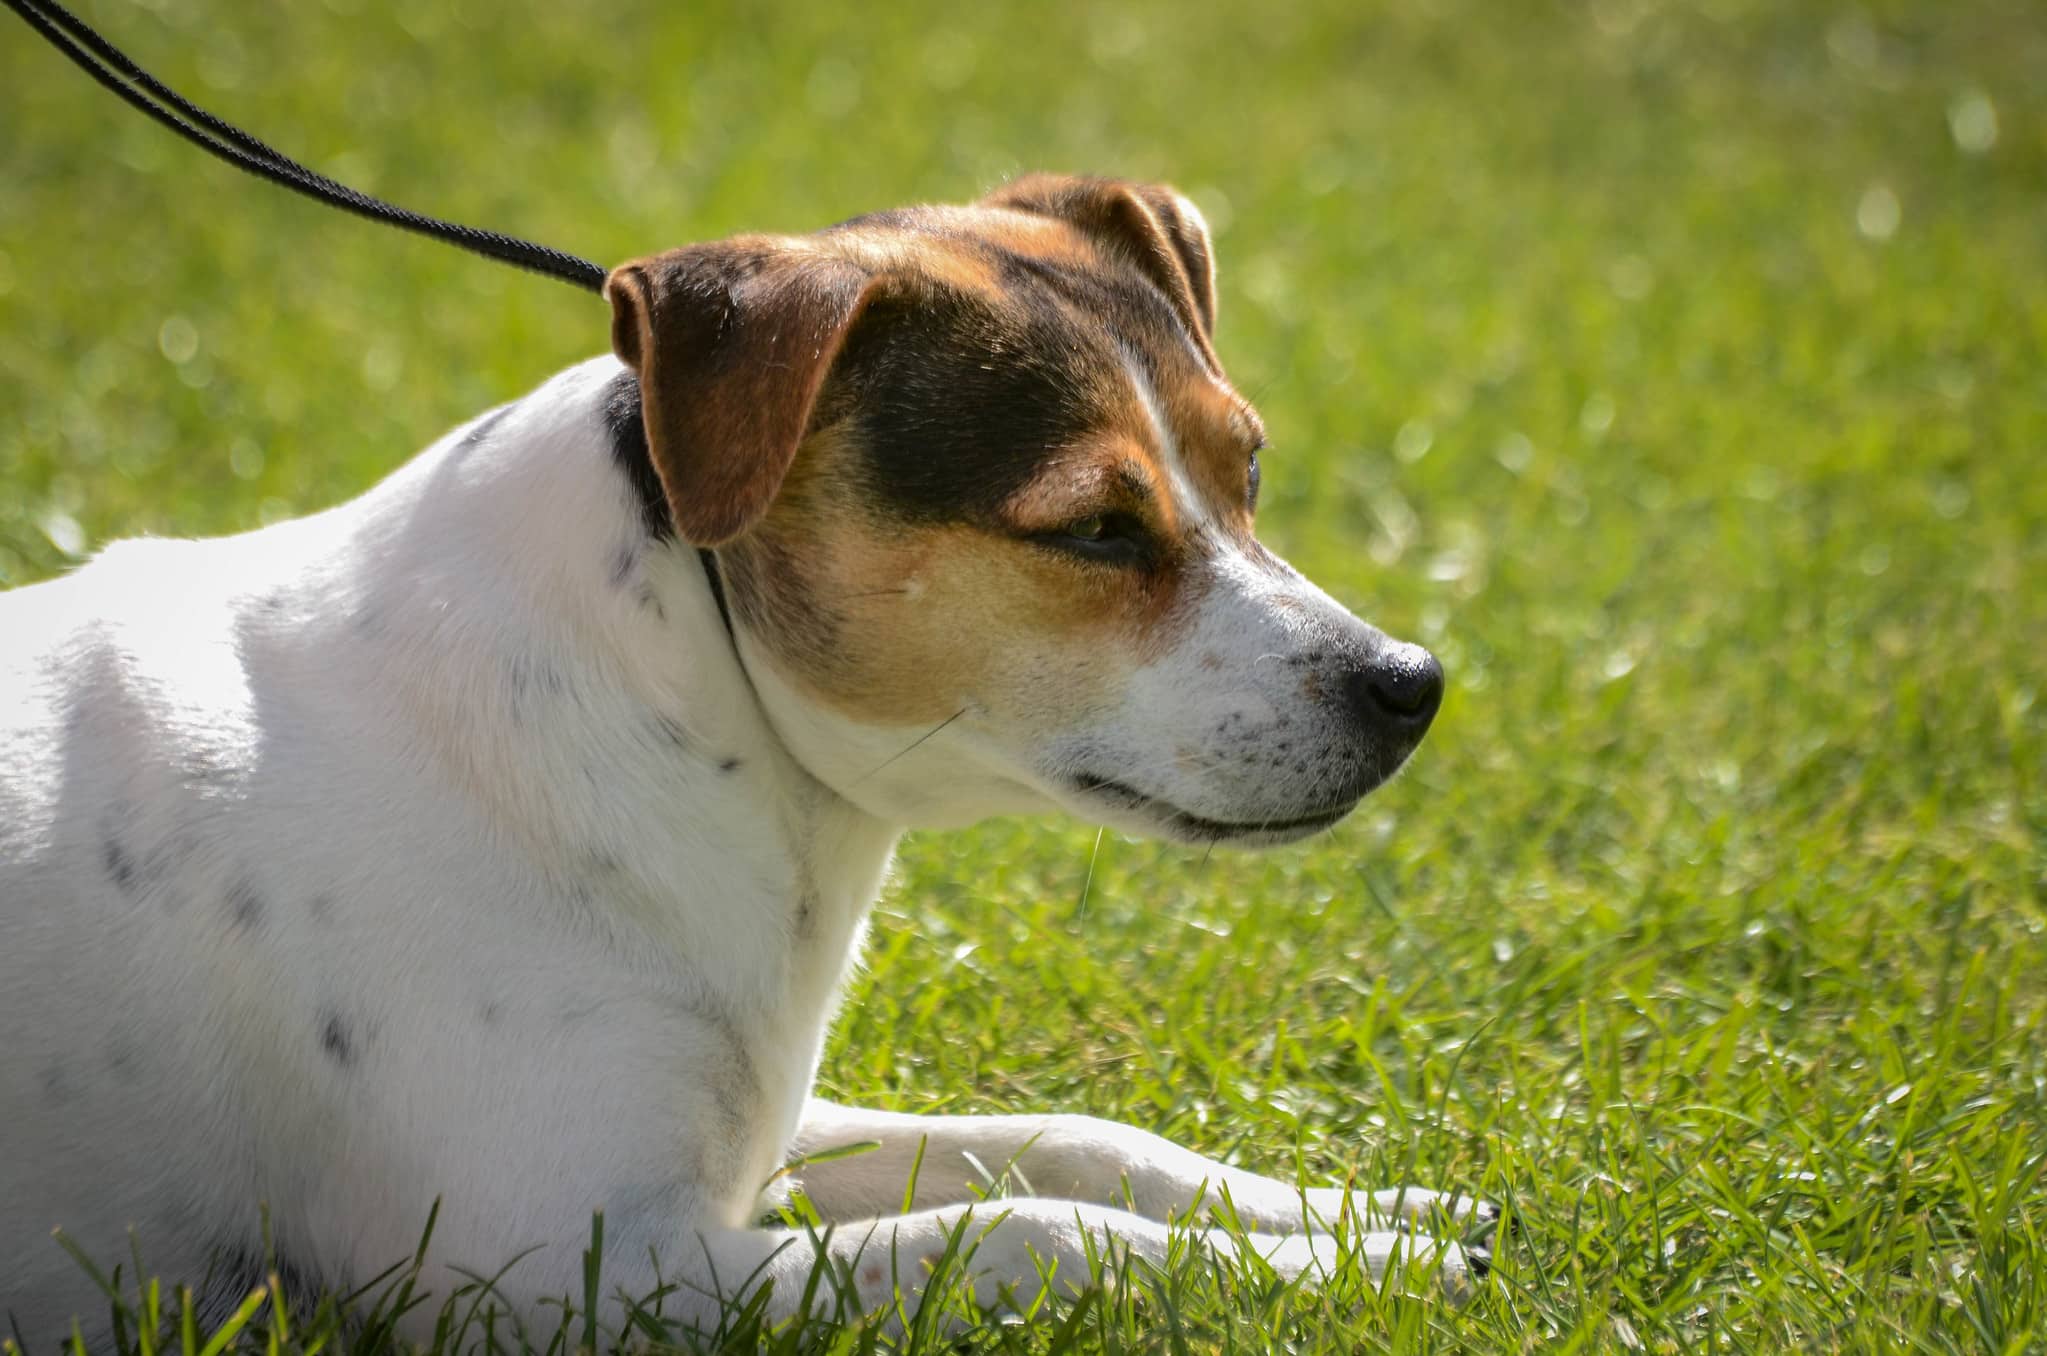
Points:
[[505, 836]]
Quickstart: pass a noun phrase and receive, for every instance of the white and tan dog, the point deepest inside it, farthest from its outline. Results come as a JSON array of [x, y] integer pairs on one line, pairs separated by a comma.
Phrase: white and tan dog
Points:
[[505, 836]]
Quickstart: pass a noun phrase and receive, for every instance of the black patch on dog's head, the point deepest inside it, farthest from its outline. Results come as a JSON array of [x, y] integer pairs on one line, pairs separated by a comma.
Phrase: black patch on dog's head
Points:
[[957, 398]]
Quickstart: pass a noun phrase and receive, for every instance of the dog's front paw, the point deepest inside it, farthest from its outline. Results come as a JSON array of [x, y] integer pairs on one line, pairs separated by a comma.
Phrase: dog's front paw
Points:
[[1405, 1208], [1455, 1267]]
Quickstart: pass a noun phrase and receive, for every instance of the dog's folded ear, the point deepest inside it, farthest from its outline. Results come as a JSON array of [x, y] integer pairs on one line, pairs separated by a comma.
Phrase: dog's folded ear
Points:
[[1160, 230], [732, 342]]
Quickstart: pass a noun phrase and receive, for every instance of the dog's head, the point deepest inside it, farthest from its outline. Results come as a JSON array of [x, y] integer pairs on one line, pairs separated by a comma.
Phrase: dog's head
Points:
[[983, 501]]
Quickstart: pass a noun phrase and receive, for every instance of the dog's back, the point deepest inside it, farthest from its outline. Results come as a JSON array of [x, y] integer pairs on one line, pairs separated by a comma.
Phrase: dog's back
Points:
[[125, 727], [180, 948]]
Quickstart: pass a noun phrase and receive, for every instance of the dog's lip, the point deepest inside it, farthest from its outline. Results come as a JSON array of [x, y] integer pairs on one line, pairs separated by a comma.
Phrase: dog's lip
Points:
[[1129, 797]]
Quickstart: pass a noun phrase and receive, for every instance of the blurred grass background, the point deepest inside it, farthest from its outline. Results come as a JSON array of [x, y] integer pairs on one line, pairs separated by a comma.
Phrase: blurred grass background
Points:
[[1678, 371]]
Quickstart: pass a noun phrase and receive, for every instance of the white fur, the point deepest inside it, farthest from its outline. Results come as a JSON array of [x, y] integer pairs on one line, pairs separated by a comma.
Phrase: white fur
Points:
[[391, 855], [1188, 503]]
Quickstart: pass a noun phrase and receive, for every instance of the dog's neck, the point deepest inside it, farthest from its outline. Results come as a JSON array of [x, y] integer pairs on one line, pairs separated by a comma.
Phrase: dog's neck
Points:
[[562, 665]]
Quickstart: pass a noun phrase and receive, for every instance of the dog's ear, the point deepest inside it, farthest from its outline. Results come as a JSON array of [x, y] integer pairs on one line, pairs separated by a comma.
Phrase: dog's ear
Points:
[[732, 342], [1163, 233]]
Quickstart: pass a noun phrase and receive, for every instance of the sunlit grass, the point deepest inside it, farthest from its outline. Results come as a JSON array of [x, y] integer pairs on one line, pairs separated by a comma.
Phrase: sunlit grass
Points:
[[1675, 371]]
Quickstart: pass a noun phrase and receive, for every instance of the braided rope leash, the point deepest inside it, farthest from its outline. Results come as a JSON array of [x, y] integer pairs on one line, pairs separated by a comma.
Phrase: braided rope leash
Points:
[[112, 68]]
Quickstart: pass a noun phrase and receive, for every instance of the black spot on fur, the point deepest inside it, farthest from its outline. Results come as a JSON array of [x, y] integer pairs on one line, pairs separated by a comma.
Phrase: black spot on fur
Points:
[[729, 765], [490, 1012], [623, 562], [120, 867], [245, 905], [573, 1011], [626, 429], [337, 1040], [528, 675], [673, 732], [529, 678], [806, 916]]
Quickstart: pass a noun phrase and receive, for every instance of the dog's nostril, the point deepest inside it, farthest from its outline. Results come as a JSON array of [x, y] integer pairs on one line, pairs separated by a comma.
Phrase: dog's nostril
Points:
[[1406, 683]]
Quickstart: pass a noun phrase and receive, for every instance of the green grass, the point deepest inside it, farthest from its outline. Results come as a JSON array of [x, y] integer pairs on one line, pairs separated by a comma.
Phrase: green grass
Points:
[[1677, 371]]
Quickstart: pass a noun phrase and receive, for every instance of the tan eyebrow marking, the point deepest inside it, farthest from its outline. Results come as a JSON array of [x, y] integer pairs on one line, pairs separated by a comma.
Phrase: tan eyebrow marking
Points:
[[1249, 425], [1118, 479]]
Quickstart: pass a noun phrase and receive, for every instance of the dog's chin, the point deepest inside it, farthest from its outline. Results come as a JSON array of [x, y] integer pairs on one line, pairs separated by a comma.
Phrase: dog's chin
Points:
[[1125, 807]]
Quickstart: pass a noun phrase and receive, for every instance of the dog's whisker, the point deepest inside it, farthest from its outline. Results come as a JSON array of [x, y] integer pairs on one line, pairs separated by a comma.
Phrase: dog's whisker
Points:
[[1088, 884], [912, 747]]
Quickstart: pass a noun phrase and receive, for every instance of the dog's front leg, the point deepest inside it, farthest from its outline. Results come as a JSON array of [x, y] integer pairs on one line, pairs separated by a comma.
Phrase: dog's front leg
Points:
[[1007, 1250], [1079, 1158]]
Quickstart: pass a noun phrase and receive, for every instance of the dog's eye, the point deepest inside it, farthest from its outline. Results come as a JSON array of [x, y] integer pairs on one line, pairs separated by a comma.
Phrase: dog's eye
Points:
[[1113, 538], [1251, 493]]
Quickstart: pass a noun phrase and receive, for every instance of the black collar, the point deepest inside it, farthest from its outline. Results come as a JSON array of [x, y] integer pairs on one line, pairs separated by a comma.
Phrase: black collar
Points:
[[709, 558], [626, 430]]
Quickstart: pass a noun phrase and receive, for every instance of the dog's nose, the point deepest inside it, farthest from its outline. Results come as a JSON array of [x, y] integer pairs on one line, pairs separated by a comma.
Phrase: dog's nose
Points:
[[1401, 683]]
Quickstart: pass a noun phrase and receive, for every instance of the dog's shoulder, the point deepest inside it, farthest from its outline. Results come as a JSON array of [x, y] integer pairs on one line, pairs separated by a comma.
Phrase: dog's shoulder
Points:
[[152, 611], [138, 659]]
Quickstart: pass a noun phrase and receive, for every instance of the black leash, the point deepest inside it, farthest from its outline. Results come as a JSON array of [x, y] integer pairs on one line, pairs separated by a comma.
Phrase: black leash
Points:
[[111, 67], [107, 64]]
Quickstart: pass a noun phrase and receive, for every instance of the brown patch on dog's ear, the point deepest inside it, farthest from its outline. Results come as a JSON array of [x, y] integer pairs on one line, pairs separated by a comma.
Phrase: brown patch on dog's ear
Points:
[[1163, 232], [732, 342]]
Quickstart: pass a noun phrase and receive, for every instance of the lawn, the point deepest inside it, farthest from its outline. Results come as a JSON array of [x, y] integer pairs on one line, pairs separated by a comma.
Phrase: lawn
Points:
[[1677, 372]]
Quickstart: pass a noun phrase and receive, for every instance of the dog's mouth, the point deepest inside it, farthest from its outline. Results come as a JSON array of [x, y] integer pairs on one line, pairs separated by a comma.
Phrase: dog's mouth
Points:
[[1175, 822]]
